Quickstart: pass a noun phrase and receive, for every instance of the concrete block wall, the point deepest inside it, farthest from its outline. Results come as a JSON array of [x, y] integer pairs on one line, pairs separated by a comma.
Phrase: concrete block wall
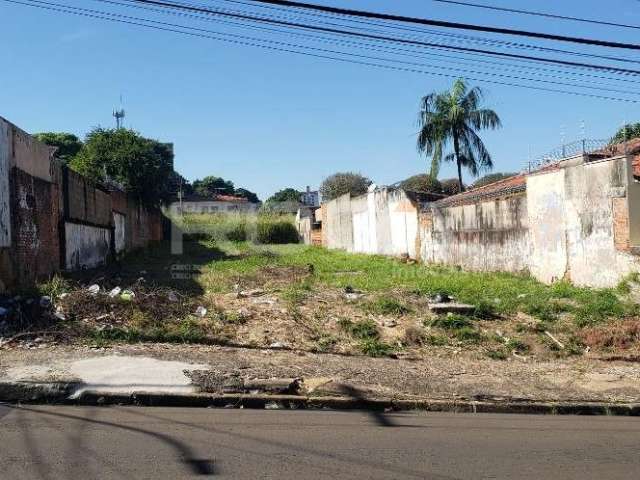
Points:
[[383, 221], [52, 218], [577, 220]]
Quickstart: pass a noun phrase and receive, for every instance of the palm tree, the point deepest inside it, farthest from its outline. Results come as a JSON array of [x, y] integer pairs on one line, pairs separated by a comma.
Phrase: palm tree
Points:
[[452, 118]]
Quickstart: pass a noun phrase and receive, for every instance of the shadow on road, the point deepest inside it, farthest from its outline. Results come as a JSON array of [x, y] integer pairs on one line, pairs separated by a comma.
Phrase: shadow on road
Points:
[[195, 465]]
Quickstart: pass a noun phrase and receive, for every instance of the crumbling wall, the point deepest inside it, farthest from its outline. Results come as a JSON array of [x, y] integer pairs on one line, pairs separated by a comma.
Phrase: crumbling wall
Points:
[[487, 235], [383, 221], [52, 218]]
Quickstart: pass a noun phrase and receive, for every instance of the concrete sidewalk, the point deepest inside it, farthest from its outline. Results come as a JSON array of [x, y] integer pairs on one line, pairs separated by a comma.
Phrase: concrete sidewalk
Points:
[[154, 375]]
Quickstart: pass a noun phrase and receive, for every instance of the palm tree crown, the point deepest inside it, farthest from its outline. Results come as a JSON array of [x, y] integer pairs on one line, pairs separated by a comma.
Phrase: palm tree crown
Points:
[[451, 118]]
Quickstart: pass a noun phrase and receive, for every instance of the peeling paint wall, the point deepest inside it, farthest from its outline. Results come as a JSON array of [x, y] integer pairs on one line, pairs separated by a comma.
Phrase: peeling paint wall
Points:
[[120, 234], [384, 221], [486, 236], [86, 246]]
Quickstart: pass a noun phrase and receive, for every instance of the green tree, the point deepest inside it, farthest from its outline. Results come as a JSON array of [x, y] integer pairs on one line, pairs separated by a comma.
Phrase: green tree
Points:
[[143, 166], [344, 182], [286, 200], [451, 186], [212, 185], [451, 118], [626, 132], [249, 195], [422, 183], [67, 144], [285, 195], [491, 178]]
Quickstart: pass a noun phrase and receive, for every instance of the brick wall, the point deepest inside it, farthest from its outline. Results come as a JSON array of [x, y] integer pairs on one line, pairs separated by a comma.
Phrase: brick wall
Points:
[[87, 203], [621, 224], [35, 213]]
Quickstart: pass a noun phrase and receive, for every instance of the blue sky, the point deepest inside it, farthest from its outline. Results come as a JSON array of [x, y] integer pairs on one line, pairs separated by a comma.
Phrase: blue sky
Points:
[[269, 120]]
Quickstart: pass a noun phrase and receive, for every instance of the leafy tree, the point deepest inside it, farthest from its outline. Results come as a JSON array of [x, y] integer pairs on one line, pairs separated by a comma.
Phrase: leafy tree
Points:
[[178, 182], [143, 166], [344, 182], [451, 118], [67, 144], [211, 185], [491, 178], [286, 200], [285, 195], [422, 183], [249, 195], [451, 186], [627, 132]]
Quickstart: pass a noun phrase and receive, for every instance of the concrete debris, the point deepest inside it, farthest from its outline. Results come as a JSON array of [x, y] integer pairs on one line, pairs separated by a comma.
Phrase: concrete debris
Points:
[[215, 382], [390, 323], [201, 311], [264, 301], [273, 406], [441, 298], [351, 293], [256, 292], [277, 345], [115, 292], [94, 289], [453, 307]]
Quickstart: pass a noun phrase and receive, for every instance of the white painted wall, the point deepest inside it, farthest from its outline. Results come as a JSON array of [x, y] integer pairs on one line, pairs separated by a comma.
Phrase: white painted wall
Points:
[[86, 246], [5, 214], [120, 234], [546, 211]]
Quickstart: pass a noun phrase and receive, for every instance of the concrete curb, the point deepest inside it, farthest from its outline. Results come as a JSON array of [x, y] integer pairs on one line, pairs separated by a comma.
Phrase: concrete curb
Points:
[[59, 393]]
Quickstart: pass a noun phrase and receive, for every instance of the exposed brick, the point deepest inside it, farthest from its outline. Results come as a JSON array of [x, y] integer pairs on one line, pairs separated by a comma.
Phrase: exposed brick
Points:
[[621, 224]]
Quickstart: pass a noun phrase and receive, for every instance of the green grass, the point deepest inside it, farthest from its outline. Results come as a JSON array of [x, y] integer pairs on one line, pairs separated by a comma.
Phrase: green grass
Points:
[[363, 330], [452, 322], [387, 306], [375, 348], [219, 265]]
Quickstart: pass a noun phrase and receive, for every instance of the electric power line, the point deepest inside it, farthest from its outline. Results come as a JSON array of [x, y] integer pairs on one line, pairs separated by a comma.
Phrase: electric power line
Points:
[[538, 14], [386, 38], [366, 60], [456, 25]]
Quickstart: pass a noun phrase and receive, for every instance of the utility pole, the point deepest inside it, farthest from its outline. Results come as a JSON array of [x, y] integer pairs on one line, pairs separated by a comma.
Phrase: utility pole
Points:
[[119, 115]]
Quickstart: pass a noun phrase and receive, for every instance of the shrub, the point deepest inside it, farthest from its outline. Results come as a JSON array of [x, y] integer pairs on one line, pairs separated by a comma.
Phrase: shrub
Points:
[[387, 306], [498, 354], [452, 322], [468, 335], [375, 348], [277, 231], [364, 329]]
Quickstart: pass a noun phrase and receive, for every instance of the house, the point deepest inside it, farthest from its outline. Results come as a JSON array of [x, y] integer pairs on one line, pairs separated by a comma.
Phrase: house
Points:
[[310, 198], [212, 204]]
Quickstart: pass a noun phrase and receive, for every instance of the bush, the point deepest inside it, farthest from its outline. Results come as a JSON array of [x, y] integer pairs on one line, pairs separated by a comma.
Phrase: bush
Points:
[[341, 183], [452, 322], [364, 329], [422, 183], [387, 306], [277, 231], [375, 348]]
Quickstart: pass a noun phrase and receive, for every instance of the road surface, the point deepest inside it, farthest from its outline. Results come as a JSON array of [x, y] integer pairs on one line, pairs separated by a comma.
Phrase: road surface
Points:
[[174, 443]]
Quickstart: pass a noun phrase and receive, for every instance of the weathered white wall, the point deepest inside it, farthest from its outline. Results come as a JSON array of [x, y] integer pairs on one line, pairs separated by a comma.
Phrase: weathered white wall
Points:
[[485, 236], [546, 210], [86, 246], [384, 221], [5, 214], [120, 234]]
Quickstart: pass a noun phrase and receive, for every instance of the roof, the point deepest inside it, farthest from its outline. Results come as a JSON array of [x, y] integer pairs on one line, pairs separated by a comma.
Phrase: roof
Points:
[[630, 147], [506, 186]]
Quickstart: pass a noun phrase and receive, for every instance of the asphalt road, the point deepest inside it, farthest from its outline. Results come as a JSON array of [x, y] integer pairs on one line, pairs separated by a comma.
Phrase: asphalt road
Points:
[[174, 443]]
